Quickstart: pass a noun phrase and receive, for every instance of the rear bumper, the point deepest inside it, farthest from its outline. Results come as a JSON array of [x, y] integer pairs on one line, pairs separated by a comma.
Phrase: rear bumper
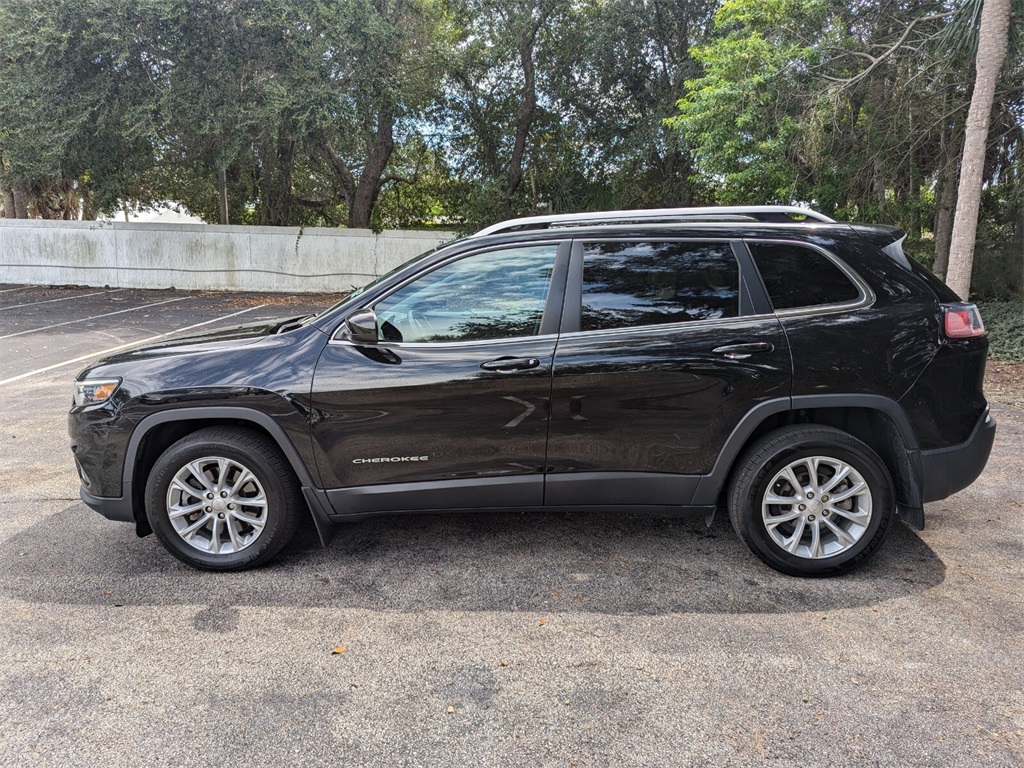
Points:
[[113, 508], [948, 470]]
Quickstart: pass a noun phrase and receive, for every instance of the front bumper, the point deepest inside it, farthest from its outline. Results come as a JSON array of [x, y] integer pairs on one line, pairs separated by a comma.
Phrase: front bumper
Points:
[[944, 471], [113, 508]]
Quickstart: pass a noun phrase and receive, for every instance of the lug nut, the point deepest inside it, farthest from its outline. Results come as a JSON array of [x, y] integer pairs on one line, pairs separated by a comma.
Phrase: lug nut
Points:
[[810, 495], [209, 495], [802, 507], [223, 494], [824, 513], [810, 517], [220, 515], [825, 497], [231, 506], [207, 509]]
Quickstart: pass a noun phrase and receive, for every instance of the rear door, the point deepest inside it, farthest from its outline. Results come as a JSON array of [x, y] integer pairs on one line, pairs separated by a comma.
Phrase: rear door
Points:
[[663, 350]]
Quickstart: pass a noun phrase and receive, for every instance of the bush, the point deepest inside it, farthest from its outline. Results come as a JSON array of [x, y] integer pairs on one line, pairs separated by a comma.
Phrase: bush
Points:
[[1004, 321]]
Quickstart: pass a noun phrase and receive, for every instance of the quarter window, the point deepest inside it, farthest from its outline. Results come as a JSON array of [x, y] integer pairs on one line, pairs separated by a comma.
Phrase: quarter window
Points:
[[652, 283], [796, 276], [493, 295]]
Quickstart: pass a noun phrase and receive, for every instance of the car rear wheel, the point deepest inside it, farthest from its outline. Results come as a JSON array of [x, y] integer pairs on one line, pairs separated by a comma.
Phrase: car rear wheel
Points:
[[223, 499], [811, 501]]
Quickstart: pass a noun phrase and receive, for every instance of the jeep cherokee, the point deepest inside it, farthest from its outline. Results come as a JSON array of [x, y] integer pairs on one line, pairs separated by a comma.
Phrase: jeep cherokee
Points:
[[802, 373]]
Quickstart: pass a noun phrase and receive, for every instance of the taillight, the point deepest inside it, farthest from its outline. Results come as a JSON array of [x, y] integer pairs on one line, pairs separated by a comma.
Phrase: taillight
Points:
[[962, 321]]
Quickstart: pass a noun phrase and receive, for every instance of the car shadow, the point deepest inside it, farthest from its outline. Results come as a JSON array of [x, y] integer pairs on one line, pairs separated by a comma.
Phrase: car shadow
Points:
[[482, 561]]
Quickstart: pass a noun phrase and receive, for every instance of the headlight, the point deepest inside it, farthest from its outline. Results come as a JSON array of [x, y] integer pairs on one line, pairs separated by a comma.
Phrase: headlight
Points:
[[93, 391]]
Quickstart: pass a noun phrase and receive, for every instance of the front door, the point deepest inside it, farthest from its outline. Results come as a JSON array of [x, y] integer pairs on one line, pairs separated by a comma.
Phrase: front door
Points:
[[448, 408]]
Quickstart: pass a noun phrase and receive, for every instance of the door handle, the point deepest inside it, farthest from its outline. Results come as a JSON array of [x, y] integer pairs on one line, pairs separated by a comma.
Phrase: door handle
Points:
[[742, 351], [505, 364]]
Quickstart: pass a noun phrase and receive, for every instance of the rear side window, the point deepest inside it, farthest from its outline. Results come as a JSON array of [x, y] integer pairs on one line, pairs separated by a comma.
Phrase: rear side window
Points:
[[652, 283], [796, 276]]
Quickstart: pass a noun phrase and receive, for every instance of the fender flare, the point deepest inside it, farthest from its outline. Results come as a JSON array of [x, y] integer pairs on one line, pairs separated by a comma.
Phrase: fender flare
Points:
[[711, 484], [315, 497]]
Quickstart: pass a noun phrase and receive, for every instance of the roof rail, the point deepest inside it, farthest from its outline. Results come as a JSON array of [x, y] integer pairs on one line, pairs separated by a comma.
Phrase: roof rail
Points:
[[763, 213]]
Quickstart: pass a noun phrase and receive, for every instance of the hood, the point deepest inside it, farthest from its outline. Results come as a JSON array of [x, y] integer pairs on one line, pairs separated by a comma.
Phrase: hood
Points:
[[219, 340]]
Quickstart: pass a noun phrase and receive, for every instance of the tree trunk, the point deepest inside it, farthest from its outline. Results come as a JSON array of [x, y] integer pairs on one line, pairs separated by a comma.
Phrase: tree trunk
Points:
[[524, 121], [21, 200], [525, 114], [277, 163], [1019, 240], [361, 194], [222, 192], [878, 185], [364, 196], [8, 200], [992, 43], [945, 200], [88, 212], [946, 203], [72, 203], [915, 197], [674, 170]]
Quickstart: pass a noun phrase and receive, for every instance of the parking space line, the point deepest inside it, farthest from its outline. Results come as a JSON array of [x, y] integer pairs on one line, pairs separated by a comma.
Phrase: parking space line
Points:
[[102, 352], [19, 288], [94, 317], [62, 298]]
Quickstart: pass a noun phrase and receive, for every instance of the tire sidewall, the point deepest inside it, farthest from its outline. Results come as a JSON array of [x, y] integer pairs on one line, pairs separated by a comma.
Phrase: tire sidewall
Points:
[[168, 465], [758, 538]]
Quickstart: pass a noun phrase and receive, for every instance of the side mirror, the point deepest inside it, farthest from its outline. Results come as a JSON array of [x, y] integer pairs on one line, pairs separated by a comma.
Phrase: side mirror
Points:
[[361, 327]]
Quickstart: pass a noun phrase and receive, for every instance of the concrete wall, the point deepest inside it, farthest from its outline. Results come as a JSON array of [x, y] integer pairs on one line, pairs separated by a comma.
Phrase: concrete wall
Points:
[[200, 256]]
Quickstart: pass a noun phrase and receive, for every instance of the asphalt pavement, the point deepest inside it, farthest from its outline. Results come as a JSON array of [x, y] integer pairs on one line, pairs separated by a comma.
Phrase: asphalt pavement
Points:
[[485, 639]]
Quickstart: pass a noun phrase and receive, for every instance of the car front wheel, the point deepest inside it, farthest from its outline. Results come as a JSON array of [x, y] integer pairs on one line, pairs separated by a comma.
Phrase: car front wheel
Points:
[[223, 499], [811, 501]]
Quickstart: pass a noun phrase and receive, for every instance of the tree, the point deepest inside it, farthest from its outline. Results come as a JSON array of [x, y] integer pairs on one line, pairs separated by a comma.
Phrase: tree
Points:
[[616, 74], [373, 67], [295, 107], [786, 111], [858, 109], [67, 120], [493, 103], [223, 104], [993, 39]]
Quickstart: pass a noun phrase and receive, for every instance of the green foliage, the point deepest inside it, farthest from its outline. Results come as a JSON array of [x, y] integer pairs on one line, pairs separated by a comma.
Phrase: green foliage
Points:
[[856, 109], [1004, 321], [742, 115], [68, 102], [418, 190], [605, 75], [151, 100], [455, 113]]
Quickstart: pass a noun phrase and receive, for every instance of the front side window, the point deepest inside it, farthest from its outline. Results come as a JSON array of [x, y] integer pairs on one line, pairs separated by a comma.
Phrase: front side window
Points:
[[652, 283], [493, 295]]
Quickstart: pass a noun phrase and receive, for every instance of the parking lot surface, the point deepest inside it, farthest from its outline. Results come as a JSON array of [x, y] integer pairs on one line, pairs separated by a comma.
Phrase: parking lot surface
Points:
[[575, 639]]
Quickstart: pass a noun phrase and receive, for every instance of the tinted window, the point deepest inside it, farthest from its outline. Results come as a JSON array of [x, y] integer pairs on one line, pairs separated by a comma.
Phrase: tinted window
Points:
[[630, 284], [492, 295], [800, 277]]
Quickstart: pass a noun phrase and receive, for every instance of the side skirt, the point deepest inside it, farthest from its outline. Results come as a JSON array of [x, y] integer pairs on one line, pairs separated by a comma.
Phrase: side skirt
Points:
[[654, 510], [653, 493]]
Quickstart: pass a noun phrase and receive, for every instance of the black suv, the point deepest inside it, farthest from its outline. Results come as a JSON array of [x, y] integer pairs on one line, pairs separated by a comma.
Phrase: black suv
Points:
[[803, 373]]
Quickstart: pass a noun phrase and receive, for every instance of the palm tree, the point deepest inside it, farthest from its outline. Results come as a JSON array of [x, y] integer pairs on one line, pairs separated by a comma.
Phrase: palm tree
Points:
[[993, 41]]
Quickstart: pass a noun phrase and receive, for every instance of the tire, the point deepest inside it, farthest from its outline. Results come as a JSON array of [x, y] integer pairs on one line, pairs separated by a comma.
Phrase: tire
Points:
[[804, 531], [223, 499]]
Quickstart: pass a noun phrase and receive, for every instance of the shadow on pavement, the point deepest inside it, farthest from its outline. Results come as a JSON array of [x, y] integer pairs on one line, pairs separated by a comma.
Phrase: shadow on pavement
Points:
[[542, 562]]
